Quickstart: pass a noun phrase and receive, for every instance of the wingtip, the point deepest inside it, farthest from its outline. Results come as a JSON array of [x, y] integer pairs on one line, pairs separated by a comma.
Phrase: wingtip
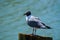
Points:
[[48, 27]]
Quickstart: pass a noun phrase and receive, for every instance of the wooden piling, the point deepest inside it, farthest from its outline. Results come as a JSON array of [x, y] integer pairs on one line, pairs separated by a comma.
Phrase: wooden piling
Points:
[[32, 37]]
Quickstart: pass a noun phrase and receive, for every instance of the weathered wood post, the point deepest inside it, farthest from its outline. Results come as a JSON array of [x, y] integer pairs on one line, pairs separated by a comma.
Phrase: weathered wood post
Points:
[[32, 37]]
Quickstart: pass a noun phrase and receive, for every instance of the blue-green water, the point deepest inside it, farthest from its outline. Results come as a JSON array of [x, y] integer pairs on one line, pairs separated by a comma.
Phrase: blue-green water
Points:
[[12, 21]]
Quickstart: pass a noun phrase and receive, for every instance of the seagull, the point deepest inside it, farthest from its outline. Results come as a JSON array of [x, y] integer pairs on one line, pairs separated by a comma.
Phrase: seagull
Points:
[[35, 22]]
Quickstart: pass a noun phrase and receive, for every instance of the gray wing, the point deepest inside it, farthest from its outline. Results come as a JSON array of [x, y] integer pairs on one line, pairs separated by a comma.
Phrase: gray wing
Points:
[[40, 22]]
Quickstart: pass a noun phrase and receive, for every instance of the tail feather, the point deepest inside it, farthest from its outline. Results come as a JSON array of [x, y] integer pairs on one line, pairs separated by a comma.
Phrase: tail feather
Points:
[[48, 27]]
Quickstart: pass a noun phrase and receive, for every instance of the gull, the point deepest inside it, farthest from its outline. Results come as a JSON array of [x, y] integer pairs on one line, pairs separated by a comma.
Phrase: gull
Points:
[[35, 22]]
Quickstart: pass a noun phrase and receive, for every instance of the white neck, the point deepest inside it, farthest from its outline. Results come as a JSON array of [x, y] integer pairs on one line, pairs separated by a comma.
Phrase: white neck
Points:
[[28, 17]]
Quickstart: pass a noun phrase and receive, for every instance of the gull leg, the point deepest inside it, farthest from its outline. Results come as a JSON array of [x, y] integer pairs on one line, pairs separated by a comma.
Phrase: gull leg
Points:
[[33, 31]]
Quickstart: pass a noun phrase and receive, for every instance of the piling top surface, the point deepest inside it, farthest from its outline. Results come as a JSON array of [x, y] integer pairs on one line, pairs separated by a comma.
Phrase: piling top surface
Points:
[[33, 37]]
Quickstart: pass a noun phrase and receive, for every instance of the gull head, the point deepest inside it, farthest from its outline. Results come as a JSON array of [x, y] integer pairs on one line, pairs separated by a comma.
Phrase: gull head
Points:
[[27, 13]]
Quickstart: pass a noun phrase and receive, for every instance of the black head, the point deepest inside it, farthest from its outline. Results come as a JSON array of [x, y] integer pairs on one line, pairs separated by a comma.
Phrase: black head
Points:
[[27, 13]]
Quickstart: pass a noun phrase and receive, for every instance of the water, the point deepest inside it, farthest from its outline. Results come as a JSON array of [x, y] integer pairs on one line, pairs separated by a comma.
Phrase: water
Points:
[[12, 21]]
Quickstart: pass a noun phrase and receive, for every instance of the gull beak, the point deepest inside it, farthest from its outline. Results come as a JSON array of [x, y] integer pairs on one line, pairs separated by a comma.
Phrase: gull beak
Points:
[[24, 14]]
